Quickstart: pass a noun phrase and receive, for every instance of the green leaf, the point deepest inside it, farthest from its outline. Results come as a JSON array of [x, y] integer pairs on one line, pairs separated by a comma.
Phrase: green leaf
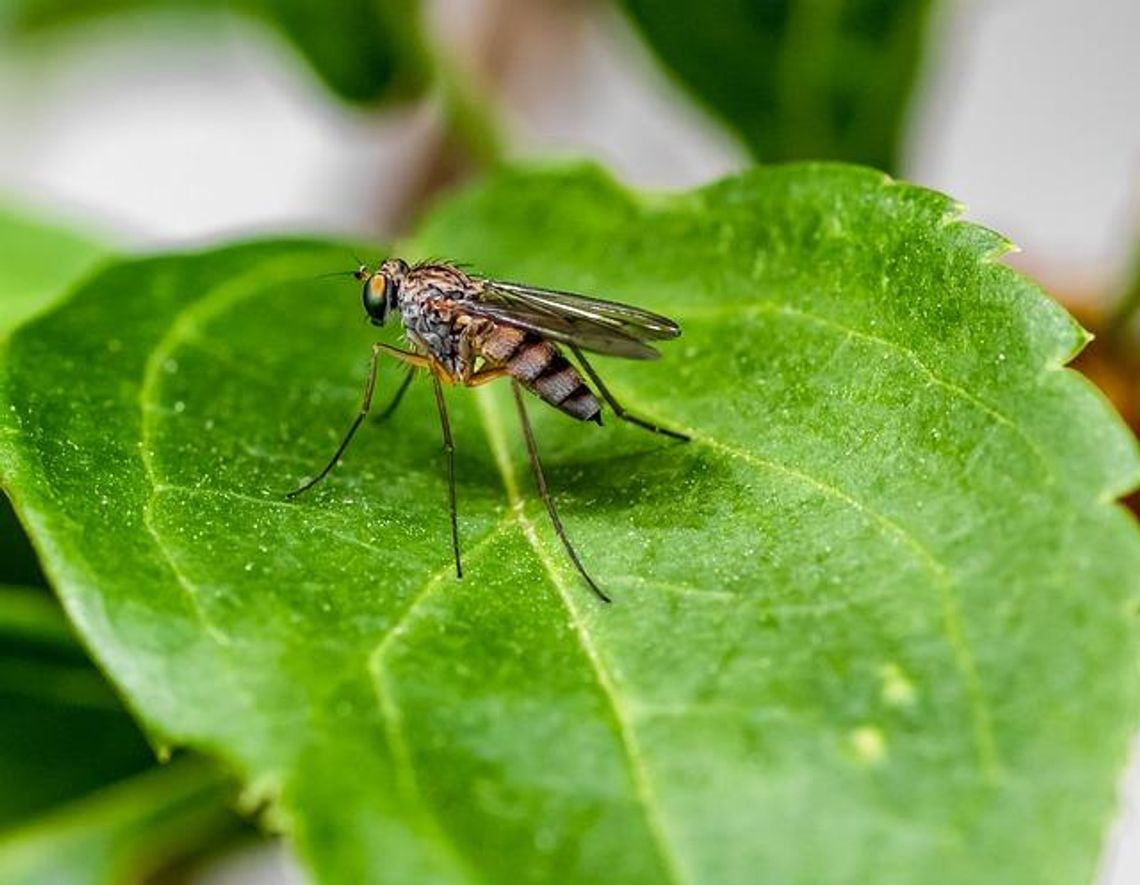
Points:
[[877, 619], [40, 259], [364, 50], [82, 798], [126, 833], [797, 80], [62, 732], [18, 563]]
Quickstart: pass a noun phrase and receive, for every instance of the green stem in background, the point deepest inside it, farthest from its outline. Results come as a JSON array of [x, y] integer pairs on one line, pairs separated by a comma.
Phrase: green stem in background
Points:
[[470, 117], [162, 819], [32, 615], [468, 140]]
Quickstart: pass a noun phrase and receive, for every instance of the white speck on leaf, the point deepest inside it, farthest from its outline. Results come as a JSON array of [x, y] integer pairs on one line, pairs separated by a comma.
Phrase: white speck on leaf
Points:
[[897, 689], [869, 744]]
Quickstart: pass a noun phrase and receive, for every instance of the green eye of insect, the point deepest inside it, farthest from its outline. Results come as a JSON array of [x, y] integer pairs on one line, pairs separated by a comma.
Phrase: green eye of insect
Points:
[[375, 297]]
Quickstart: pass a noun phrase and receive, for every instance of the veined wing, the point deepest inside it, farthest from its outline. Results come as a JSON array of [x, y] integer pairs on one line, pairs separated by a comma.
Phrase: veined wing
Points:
[[635, 322], [593, 324]]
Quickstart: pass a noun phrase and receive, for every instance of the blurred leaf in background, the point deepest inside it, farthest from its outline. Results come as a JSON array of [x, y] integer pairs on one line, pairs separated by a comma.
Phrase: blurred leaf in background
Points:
[[1112, 360], [18, 563], [364, 50], [796, 79], [41, 258], [83, 801]]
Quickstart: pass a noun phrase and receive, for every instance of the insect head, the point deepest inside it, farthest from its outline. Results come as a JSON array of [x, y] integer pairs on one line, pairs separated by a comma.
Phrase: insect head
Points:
[[381, 288]]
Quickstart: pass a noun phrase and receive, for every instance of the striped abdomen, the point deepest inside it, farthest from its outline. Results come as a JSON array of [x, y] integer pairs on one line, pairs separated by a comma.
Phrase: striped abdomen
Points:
[[540, 366]]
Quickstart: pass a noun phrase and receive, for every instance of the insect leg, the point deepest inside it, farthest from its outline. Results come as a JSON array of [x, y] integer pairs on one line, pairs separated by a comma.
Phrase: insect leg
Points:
[[449, 446], [395, 403], [483, 376], [416, 360], [544, 492], [618, 408], [365, 405]]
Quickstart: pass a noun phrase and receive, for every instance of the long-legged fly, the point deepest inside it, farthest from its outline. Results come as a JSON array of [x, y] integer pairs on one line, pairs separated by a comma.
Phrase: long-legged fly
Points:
[[466, 329]]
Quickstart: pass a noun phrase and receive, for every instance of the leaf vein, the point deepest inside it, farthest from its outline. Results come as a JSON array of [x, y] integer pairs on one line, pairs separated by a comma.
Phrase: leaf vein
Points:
[[183, 326], [964, 657], [408, 781], [639, 774], [952, 388]]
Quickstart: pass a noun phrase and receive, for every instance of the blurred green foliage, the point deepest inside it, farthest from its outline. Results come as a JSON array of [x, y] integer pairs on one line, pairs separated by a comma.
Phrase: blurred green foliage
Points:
[[797, 79], [62, 731], [83, 801], [364, 50]]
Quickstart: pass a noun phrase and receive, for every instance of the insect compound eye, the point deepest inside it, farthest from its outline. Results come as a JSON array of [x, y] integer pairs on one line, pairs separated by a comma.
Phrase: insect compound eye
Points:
[[375, 297]]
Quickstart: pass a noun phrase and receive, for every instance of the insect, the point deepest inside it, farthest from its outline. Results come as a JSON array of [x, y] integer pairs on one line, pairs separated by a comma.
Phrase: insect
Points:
[[469, 330]]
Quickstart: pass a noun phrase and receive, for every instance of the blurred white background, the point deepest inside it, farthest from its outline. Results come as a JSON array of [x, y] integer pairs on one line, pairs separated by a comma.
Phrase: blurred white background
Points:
[[1028, 112]]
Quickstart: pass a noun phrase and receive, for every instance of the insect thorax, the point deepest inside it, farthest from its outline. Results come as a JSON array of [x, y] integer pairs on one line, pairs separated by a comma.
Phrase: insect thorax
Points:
[[431, 309]]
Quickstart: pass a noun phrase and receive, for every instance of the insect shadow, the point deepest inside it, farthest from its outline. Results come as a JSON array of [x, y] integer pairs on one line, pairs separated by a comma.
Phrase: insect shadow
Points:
[[647, 478]]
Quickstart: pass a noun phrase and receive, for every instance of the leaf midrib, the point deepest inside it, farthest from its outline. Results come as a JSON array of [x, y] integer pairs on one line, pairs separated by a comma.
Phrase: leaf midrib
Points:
[[955, 390], [961, 649], [639, 775], [407, 780]]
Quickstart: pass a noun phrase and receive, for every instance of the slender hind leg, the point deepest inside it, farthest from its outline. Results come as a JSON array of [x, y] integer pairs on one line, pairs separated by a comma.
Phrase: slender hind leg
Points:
[[544, 492], [412, 359], [618, 408], [449, 447], [395, 403]]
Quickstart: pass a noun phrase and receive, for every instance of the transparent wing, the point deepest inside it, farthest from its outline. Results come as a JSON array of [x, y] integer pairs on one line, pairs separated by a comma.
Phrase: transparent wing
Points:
[[634, 321], [589, 323]]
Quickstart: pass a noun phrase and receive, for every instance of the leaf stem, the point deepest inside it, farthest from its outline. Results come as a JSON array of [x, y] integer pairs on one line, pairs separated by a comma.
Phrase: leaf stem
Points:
[[470, 118]]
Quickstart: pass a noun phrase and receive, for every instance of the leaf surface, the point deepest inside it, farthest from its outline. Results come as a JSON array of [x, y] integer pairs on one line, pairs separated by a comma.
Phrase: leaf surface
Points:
[[40, 259], [877, 620], [796, 79]]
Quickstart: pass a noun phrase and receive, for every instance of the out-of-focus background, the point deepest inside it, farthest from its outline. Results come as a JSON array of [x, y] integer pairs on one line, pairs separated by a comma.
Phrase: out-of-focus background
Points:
[[1027, 111], [163, 130]]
